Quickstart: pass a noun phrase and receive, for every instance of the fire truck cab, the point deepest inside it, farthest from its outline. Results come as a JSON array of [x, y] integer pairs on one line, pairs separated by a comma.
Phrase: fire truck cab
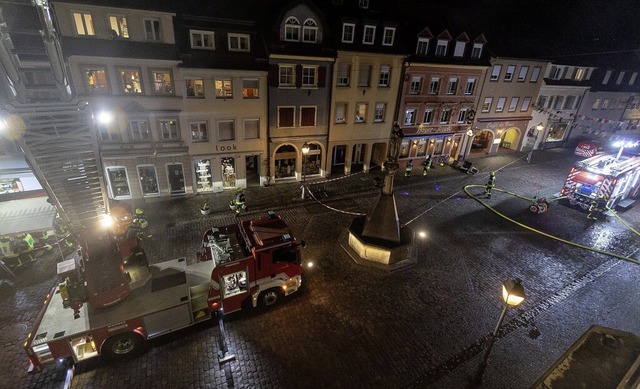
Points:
[[614, 176], [255, 262]]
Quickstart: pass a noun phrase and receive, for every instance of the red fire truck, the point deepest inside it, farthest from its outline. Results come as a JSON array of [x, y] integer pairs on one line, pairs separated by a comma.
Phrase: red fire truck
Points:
[[251, 261], [254, 262], [614, 176]]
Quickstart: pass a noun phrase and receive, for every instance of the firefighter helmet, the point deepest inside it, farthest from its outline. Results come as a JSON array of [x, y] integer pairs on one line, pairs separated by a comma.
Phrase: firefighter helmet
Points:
[[239, 190], [492, 174]]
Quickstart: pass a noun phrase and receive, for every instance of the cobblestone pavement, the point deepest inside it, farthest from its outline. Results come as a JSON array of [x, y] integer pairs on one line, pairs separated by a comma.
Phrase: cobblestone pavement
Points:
[[421, 326]]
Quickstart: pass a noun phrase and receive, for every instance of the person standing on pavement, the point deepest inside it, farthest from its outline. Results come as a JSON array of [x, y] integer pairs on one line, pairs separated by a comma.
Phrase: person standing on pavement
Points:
[[490, 184], [409, 168], [597, 207], [239, 200], [426, 165]]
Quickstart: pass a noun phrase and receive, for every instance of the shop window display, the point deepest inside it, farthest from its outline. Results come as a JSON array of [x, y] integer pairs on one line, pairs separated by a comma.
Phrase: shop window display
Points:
[[204, 182], [148, 180], [228, 173], [118, 181]]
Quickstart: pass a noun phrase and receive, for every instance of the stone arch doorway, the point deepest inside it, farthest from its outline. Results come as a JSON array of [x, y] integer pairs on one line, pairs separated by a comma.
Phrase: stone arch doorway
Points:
[[285, 159], [510, 139]]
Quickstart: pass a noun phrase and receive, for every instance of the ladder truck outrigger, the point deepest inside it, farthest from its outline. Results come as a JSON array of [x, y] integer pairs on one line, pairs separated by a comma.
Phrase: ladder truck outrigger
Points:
[[615, 177], [108, 299]]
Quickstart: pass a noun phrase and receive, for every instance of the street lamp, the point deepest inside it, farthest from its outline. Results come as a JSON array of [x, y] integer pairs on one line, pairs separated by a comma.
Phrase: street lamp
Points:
[[466, 145], [539, 129], [513, 295], [305, 151]]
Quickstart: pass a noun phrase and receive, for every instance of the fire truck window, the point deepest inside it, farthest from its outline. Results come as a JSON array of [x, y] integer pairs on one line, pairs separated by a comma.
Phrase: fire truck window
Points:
[[234, 283], [285, 254]]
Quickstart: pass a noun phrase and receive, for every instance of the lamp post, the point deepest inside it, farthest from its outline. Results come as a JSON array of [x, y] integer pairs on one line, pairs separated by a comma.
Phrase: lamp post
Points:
[[513, 295], [305, 151], [539, 129], [466, 145]]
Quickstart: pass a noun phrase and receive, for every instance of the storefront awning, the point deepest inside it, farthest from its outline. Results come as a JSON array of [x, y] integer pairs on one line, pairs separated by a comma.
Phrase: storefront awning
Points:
[[26, 215]]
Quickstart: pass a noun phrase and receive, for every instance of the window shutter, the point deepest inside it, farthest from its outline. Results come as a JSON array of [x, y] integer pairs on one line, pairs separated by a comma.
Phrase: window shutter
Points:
[[322, 77], [274, 75], [298, 76]]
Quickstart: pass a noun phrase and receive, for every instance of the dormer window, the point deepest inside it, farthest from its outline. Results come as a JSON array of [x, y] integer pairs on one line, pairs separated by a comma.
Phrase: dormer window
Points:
[[605, 80], [423, 46], [441, 48], [310, 31], [369, 35], [476, 52], [202, 39], [579, 74], [347, 32], [364, 4], [118, 24], [620, 78], [555, 72], [632, 79], [292, 30], [388, 36], [238, 42], [459, 50]]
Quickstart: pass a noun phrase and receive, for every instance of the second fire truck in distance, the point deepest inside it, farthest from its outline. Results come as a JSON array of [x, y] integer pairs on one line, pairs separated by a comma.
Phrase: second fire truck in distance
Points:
[[616, 177]]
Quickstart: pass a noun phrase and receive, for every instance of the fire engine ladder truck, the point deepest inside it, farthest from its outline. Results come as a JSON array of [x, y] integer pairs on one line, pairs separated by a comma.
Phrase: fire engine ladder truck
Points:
[[60, 145]]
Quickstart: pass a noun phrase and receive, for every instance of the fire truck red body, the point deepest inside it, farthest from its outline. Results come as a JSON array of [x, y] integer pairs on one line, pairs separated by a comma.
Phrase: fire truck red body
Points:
[[615, 177], [255, 262], [241, 264]]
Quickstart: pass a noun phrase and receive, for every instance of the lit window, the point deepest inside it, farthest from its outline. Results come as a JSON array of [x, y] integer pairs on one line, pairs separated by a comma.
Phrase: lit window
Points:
[[152, 29], [195, 87], [118, 24], [307, 116], [310, 31], [579, 74], [292, 30], [378, 115], [250, 88], [226, 130], [199, 131], [223, 89], [96, 80], [369, 35], [202, 39], [309, 76], [410, 116], [361, 112], [388, 36], [84, 23], [162, 82], [596, 104], [384, 76], [286, 75], [238, 42], [251, 128], [347, 32], [131, 82]]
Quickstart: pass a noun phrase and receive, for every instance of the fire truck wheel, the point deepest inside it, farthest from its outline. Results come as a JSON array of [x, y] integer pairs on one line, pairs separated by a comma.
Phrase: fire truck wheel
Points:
[[126, 343], [269, 297]]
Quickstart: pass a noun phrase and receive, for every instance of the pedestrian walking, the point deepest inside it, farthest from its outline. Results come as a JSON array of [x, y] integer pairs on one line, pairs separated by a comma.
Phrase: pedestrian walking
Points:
[[490, 184], [409, 168]]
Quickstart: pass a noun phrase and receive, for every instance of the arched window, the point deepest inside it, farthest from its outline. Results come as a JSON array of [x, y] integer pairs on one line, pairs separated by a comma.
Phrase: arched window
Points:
[[310, 31], [292, 29], [285, 162]]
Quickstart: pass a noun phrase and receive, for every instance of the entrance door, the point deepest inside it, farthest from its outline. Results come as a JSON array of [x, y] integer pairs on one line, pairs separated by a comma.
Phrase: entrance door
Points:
[[339, 153], [253, 171], [176, 178]]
